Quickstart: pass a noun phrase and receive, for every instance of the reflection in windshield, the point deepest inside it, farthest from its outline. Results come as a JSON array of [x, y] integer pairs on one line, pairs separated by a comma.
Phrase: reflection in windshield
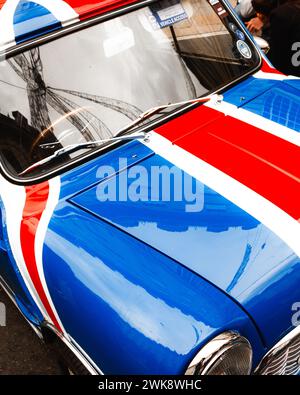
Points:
[[30, 70], [88, 85]]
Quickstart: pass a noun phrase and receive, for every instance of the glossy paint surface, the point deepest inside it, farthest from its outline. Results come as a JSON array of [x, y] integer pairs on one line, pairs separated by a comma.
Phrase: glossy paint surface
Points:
[[140, 312], [32, 19], [12, 278], [87, 175], [142, 286], [278, 101], [225, 145], [246, 91], [221, 243], [281, 105], [139, 285]]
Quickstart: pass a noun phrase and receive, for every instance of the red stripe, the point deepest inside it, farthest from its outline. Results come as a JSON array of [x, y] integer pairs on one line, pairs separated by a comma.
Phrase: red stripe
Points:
[[266, 68], [87, 9], [36, 200], [263, 162], [188, 123]]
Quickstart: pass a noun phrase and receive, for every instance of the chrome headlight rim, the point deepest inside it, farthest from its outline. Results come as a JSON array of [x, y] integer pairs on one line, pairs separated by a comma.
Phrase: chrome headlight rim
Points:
[[212, 351]]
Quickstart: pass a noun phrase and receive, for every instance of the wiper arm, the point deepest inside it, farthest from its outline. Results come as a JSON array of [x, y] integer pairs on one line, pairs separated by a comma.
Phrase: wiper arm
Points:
[[75, 147], [156, 110], [118, 137]]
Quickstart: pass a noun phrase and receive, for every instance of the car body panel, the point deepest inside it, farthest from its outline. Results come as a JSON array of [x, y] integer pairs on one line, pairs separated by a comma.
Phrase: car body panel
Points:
[[142, 286], [11, 277], [275, 100], [140, 312], [220, 242]]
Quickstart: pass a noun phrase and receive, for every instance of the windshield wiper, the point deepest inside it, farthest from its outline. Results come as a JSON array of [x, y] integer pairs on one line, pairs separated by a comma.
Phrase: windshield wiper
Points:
[[119, 135], [76, 147], [156, 110]]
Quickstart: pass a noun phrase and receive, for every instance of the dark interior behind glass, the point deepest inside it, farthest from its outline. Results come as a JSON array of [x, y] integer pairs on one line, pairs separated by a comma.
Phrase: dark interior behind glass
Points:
[[87, 85]]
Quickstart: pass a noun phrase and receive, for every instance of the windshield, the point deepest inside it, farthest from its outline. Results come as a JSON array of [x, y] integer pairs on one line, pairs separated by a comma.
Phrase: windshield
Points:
[[90, 84]]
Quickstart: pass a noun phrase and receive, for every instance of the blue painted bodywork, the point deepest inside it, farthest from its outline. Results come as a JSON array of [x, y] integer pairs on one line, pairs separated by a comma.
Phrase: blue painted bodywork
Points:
[[271, 99], [32, 20], [160, 260], [12, 279], [221, 243], [142, 286], [140, 312]]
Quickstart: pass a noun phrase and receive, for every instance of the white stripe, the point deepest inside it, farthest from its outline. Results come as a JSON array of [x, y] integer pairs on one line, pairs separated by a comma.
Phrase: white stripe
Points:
[[7, 33], [258, 121], [14, 198], [274, 76], [283, 225], [54, 191]]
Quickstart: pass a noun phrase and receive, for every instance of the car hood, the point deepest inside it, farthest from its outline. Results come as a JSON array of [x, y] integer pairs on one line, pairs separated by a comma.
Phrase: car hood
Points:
[[221, 242]]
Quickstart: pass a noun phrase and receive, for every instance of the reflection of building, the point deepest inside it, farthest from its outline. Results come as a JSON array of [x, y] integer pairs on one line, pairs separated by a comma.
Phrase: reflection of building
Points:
[[17, 142], [217, 215]]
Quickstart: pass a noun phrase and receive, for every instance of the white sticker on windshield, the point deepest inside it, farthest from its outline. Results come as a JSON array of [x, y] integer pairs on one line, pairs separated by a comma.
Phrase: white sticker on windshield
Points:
[[167, 13], [244, 49]]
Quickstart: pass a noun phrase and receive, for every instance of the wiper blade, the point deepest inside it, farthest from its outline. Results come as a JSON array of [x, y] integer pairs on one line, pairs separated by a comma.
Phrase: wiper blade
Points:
[[76, 147], [156, 110], [119, 135]]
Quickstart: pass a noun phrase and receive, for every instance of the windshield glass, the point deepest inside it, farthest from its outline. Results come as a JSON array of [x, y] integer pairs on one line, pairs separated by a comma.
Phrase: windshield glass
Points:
[[88, 85]]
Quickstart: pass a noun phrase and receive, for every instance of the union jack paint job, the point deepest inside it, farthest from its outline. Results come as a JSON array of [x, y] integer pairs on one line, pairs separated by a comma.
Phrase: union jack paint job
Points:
[[137, 288], [22, 20]]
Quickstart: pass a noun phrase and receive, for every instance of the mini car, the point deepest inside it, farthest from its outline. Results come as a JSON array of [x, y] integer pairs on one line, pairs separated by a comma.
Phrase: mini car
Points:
[[149, 187]]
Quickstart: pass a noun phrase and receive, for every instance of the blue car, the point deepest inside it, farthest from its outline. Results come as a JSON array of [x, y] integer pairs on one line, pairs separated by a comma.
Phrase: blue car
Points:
[[149, 187]]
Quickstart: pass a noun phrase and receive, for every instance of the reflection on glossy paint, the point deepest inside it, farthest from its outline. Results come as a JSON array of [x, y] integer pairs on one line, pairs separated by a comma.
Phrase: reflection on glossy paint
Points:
[[281, 105], [221, 243], [149, 315]]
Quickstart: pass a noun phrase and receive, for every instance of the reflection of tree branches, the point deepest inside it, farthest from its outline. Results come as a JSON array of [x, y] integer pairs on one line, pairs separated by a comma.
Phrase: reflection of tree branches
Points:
[[65, 111], [36, 89], [15, 68], [29, 68], [13, 85], [96, 124], [130, 111]]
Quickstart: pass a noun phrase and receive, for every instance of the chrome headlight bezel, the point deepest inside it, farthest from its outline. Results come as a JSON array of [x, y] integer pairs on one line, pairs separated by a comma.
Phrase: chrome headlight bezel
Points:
[[208, 356]]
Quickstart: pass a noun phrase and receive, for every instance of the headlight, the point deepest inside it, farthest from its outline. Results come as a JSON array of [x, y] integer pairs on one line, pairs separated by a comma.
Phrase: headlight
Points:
[[226, 354]]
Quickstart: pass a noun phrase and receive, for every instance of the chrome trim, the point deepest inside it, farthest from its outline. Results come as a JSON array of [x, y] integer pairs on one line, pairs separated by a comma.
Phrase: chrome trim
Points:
[[79, 353], [213, 350], [91, 22], [86, 356], [6, 288], [83, 357], [280, 348]]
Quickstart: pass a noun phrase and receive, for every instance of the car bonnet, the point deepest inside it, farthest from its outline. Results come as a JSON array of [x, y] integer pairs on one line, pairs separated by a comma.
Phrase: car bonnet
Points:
[[245, 237]]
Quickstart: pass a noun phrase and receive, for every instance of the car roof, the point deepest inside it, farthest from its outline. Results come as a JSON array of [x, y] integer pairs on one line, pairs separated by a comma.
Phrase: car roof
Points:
[[22, 20]]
